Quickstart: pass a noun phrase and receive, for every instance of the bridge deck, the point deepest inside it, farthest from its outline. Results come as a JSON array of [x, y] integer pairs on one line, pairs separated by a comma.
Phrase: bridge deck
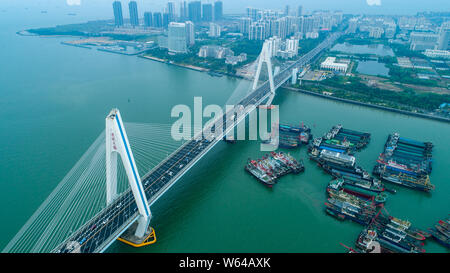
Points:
[[111, 222]]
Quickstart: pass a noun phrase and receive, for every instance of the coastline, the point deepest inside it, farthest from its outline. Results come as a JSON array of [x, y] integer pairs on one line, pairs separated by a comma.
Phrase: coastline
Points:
[[426, 116], [201, 69], [195, 68]]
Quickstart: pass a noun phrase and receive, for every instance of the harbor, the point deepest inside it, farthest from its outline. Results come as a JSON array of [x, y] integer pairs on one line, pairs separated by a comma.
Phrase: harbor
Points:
[[220, 194]]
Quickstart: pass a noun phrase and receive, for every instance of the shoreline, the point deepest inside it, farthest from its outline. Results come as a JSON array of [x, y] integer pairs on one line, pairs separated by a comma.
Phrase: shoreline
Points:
[[138, 54], [379, 107], [201, 69], [191, 67]]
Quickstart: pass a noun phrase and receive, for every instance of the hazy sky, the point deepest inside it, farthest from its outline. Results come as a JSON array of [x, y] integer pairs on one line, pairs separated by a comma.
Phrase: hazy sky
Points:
[[103, 7]]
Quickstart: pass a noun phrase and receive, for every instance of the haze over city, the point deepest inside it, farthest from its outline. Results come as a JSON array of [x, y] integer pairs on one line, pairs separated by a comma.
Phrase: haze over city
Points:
[[101, 7]]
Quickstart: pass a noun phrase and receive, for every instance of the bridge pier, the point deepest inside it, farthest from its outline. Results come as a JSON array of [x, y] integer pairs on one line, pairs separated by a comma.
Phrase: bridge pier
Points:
[[130, 236], [139, 233]]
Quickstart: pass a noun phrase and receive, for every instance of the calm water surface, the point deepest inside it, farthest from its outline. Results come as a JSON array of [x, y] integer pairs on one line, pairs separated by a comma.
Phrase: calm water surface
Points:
[[53, 102]]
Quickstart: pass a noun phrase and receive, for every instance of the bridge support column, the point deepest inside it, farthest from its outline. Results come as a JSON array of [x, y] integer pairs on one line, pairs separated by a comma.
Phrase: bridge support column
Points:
[[117, 144], [265, 57]]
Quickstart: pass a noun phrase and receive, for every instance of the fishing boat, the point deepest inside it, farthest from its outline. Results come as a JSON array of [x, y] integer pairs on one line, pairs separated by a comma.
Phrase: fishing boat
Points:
[[440, 238], [442, 230], [445, 224]]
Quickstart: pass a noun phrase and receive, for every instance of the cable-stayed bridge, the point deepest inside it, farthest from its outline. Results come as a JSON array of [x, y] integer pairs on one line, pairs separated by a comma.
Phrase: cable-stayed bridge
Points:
[[97, 229]]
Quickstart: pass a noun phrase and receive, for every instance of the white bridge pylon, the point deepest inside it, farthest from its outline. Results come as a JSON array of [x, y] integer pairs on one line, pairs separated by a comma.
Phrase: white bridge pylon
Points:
[[265, 57], [117, 144]]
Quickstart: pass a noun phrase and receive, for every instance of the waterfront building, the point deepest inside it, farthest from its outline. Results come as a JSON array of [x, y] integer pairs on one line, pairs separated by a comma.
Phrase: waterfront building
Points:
[[190, 33], [195, 11], [218, 10], [234, 60], [157, 20], [134, 18], [331, 64], [163, 41], [118, 17], [214, 30], [148, 19], [177, 38], [207, 13], [217, 52]]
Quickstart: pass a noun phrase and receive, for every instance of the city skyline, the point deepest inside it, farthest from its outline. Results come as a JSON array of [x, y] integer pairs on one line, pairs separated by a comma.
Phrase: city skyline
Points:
[[100, 8]]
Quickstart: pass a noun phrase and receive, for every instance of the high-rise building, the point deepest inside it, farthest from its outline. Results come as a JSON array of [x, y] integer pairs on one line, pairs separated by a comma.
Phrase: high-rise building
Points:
[[252, 13], [195, 11], [183, 11], [177, 38], [165, 20], [171, 11], [257, 31], [118, 17], [157, 19], [207, 12], [286, 10], [148, 19], [444, 37], [134, 18], [308, 24], [292, 46], [244, 25], [299, 11], [218, 10], [190, 33], [214, 30]]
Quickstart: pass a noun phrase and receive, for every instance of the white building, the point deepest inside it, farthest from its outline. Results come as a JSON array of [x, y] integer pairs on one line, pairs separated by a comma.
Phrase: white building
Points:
[[445, 54], [190, 33], [331, 64], [311, 35], [285, 49], [177, 39], [214, 30], [292, 45]]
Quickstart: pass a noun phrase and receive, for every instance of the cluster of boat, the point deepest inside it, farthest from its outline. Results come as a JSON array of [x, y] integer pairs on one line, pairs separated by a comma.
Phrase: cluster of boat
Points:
[[273, 166], [293, 136], [341, 140], [389, 234], [441, 232], [405, 162], [290, 137], [343, 205]]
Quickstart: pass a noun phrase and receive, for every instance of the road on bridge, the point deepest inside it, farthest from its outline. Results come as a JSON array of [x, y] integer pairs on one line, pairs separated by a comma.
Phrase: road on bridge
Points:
[[101, 231]]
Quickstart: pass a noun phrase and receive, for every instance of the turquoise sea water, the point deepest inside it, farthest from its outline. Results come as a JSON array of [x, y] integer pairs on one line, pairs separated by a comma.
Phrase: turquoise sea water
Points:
[[53, 102]]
